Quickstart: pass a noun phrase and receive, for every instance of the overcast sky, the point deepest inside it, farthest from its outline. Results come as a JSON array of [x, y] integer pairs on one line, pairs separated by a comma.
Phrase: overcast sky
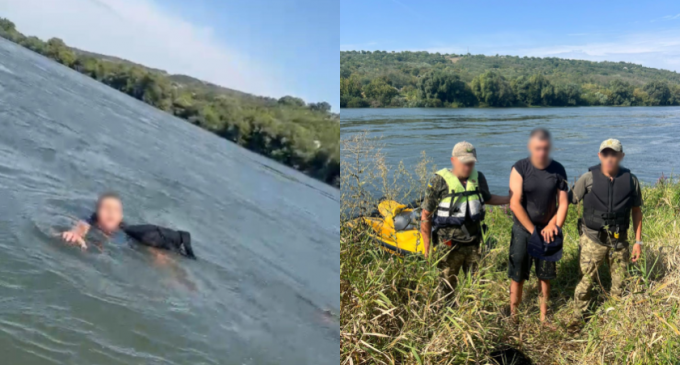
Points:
[[265, 47]]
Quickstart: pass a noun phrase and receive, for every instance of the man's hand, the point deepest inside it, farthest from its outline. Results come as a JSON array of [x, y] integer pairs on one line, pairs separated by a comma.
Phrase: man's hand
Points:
[[637, 250], [549, 232], [74, 237]]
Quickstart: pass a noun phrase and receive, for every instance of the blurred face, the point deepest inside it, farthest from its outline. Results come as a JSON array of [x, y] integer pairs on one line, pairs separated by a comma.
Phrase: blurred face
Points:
[[610, 160], [110, 214], [539, 150], [462, 169]]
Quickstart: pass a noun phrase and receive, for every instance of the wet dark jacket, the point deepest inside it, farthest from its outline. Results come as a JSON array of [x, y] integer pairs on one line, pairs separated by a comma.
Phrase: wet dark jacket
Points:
[[156, 236], [161, 237]]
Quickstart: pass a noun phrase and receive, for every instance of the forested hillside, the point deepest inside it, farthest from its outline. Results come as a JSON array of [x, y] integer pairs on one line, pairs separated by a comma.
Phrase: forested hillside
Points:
[[422, 79], [302, 135]]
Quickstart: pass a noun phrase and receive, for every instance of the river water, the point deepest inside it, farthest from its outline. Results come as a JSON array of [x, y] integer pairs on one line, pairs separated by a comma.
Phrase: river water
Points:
[[650, 136], [265, 289]]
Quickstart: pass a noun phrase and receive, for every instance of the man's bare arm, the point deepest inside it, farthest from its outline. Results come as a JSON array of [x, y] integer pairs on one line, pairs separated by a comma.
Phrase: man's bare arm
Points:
[[550, 231], [637, 223], [516, 200], [498, 200], [562, 208], [637, 227], [426, 230]]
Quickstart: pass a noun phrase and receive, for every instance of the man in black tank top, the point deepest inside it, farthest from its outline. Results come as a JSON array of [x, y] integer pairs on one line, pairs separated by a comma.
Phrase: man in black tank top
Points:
[[611, 195], [537, 185]]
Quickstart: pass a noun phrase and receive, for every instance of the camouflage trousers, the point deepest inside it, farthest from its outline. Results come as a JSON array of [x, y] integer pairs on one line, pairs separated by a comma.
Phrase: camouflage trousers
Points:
[[592, 255], [465, 257]]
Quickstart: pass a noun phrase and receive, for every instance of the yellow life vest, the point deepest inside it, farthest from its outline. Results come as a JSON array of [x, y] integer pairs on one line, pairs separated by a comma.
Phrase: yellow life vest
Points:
[[460, 202]]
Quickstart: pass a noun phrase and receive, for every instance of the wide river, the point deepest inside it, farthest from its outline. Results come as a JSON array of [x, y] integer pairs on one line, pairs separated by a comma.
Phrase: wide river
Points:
[[265, 287], [650, 136]]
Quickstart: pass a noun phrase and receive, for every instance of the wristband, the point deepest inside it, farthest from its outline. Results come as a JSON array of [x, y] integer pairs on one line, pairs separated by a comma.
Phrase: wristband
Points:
[[638, 243]]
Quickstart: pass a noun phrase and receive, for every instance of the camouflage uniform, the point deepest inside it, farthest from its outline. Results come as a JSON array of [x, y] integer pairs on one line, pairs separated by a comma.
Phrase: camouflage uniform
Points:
[[592, 254], [465, 257], [595, 247], [464, 246]]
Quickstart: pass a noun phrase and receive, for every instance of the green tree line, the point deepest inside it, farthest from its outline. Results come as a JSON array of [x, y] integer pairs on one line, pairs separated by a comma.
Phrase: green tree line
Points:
[[421, 79], [302, 135]]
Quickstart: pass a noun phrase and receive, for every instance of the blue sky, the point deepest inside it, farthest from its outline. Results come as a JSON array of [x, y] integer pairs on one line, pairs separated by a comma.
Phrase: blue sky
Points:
[[643, 32], [266, 47]]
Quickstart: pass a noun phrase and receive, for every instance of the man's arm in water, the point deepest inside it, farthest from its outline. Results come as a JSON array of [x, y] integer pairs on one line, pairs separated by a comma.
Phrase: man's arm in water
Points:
[[76, 234], [162, 259]]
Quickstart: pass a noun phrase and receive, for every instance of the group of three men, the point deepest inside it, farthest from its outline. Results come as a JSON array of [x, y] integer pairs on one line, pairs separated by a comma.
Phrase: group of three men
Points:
[[538, 198]]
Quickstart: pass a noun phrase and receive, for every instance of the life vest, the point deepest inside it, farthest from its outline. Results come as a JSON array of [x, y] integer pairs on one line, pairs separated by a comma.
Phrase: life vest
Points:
[[461, 202], [609, 202]]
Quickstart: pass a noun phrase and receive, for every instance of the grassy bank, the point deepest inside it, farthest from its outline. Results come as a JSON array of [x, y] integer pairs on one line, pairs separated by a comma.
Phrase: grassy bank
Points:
[[395, 311]]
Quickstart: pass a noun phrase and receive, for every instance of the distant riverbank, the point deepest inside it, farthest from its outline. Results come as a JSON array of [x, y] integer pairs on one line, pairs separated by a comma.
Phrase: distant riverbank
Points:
[[422, 80]]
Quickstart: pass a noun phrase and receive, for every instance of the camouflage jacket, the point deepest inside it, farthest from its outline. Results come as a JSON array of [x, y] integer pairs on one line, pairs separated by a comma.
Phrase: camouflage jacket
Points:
[[436, 189]]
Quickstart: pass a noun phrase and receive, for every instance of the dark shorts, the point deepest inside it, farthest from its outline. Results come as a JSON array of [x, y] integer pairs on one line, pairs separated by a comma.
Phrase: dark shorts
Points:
[[519, 265]]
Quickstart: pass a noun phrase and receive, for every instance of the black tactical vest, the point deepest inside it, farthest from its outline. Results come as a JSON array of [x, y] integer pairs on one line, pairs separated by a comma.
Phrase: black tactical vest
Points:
[[609, 202]]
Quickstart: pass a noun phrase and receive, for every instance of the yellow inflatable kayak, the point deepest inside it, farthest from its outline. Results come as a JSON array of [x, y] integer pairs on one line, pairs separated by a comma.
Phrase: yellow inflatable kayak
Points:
[[396, 228]]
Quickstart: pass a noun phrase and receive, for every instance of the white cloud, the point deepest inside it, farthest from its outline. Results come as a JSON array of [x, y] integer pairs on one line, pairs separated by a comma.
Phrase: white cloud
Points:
[[142, 32], [656, 50], [667, 17], [659, 49]]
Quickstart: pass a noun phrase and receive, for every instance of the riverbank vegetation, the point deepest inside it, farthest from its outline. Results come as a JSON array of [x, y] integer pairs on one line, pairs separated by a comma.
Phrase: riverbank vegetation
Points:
[[398, 310], [422, 79], [289, 130]]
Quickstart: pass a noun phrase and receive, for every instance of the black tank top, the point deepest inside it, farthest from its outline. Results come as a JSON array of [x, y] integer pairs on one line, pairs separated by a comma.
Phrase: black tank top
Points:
[[539, 190]]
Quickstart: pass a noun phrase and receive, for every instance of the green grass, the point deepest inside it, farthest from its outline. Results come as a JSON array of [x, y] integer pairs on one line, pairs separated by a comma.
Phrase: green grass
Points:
[[396, 310]]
